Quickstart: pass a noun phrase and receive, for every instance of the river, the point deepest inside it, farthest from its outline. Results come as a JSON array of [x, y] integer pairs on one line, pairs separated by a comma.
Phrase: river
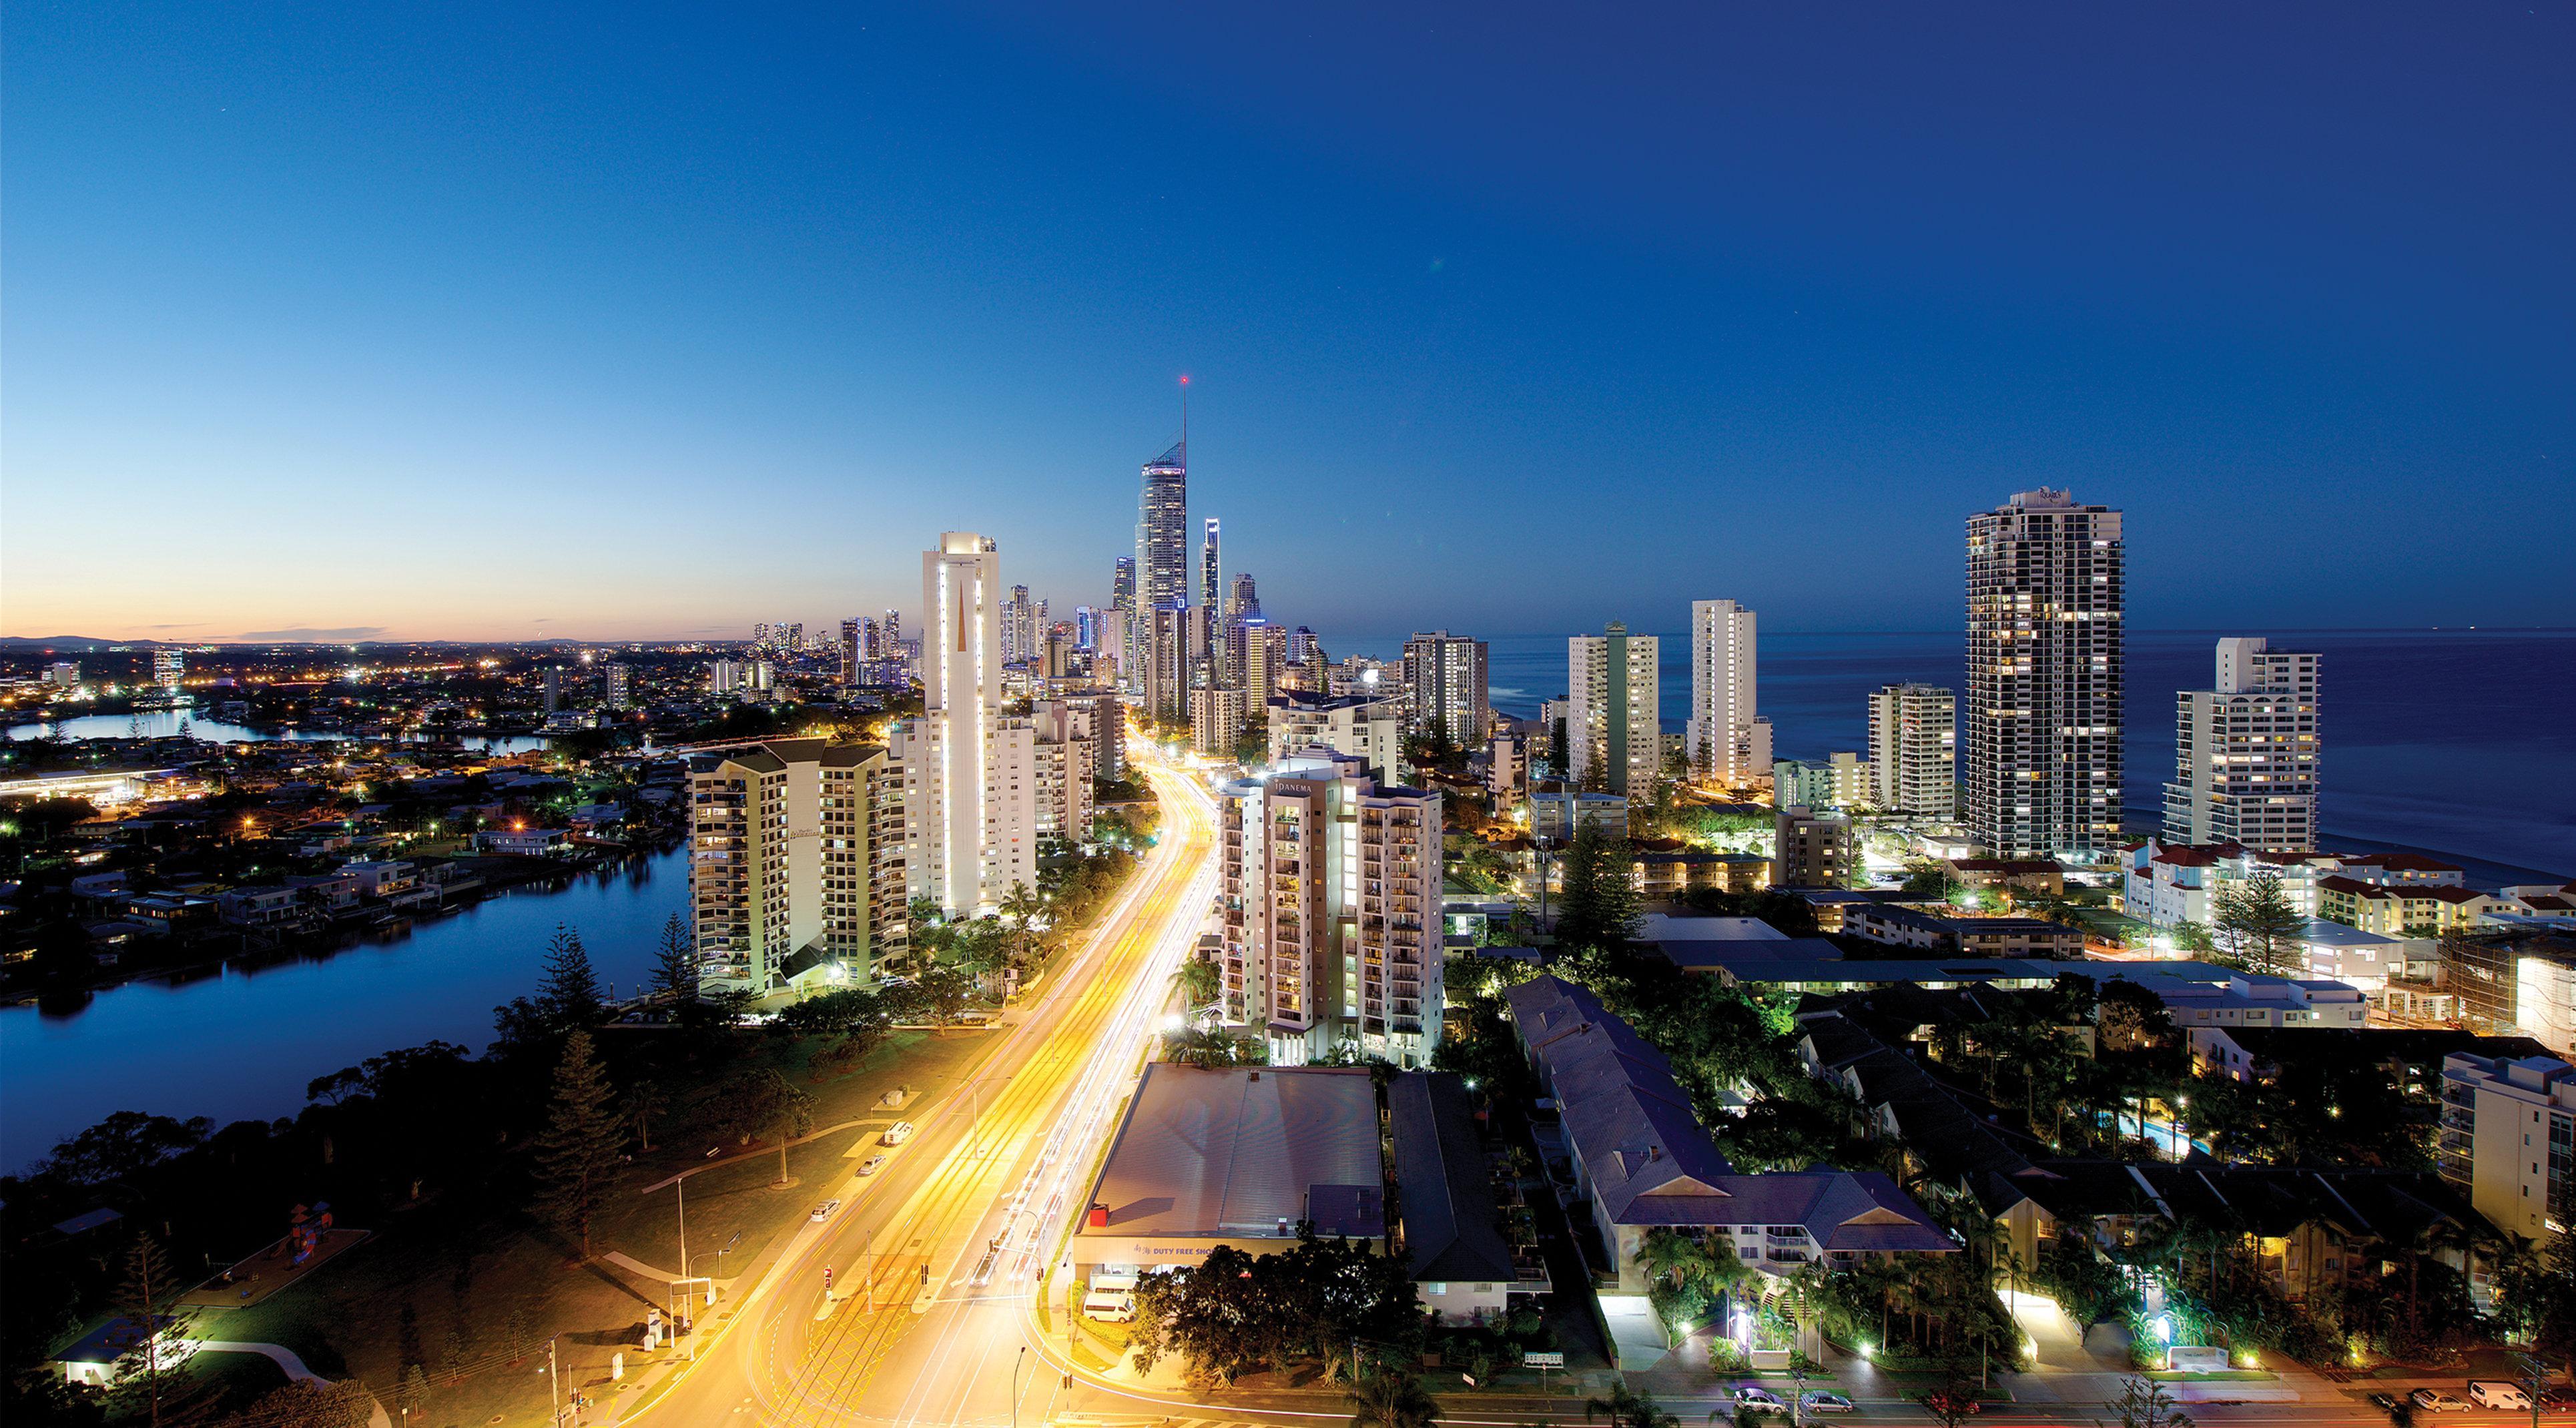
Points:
[[237, 1044], [163, 723]]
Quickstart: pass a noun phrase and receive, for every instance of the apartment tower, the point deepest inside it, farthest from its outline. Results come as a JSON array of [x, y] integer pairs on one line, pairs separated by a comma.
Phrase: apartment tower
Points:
[[1914, 750], [969, 780], [796, 863], [2045, 600], [1444, 680], [1613, 724], [1727, 742], [1163, 530], [2245, 752], [1331, 911]]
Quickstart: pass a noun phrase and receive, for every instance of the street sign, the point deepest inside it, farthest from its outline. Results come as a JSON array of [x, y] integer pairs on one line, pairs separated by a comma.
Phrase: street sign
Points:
[[1531, 1358]]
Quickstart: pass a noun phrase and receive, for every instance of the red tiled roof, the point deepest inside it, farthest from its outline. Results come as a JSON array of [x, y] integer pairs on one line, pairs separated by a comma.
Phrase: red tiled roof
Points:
[[2356, 886], [2400, 863]]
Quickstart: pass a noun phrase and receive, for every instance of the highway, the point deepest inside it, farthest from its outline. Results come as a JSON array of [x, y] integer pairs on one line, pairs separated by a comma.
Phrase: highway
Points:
[[933, 1259]]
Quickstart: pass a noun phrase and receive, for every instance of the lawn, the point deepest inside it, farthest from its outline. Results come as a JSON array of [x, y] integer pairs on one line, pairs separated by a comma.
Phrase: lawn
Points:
[[473, 1296]]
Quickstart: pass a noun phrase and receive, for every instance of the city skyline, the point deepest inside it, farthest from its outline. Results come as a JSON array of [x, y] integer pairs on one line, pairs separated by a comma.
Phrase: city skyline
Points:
[[358, 297]]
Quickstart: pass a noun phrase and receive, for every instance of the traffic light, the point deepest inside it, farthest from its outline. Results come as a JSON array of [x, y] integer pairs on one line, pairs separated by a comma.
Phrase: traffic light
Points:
[[827, 1276]]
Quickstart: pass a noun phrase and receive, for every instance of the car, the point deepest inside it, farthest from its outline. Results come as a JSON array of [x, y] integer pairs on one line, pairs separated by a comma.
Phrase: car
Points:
[[872, 1165], [2434, 1400], [897, 1133], [2502, 1394], [2384, 1402], [2557, 1396], [824, 1211], [1823, 1402], [1760, 1400]]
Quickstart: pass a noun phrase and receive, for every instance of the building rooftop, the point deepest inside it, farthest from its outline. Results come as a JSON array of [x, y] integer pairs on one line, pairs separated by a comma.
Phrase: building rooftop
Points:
[[1243, 1153], [1444, 1191]]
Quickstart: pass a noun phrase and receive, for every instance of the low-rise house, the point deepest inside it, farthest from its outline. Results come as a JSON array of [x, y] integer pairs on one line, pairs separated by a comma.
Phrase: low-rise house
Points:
[[2401, 909], [264, 909], [2027, 875], [523, 842], [1974, 936], [1641, 1159]]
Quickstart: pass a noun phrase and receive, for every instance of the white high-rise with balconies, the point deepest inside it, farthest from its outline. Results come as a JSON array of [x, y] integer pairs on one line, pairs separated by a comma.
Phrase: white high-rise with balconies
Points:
[[1725, 740], [2045, 601], [2245, 752], [1613, 724], [970, 781], [1914, 750], [1331, 911]]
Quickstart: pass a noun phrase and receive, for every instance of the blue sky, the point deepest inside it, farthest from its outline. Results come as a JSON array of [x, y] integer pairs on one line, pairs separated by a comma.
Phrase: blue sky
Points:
[[624, 322]]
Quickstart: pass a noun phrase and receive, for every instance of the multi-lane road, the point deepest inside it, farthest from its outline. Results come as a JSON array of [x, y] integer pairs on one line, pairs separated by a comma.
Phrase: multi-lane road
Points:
[[933, 1259]]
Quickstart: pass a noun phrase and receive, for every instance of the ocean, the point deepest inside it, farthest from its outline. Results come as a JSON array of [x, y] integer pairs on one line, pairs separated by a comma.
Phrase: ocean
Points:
[[2455, 742]]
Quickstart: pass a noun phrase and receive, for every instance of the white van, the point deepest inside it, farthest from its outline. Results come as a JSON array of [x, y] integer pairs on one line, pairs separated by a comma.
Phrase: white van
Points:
[[897, 1133], [1110, 1306], [2500, 1394]]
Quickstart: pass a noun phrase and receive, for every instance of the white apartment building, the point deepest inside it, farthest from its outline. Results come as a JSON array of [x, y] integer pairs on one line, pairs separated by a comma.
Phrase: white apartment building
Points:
[[970, 775], [2045, 607], [169, 669], [2508, 1138], [1843, 780], [1368, 727], [1216, 721], [1613, 724], [2167, 884], [1914, 750], [1727, 742], [1065, 758], [1444, 681], [1814, 850], [2245, 752], [1331, 910], [796, 863]]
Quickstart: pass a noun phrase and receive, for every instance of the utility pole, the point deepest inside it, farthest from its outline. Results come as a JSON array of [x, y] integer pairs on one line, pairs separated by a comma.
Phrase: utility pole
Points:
[[1019, 1359], [554, 1386]]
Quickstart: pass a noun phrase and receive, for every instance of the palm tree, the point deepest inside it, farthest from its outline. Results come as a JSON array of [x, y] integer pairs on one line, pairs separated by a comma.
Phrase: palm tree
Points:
[[1675, 1258], [1628, 1410], [1388, 1399], [1201, 983]]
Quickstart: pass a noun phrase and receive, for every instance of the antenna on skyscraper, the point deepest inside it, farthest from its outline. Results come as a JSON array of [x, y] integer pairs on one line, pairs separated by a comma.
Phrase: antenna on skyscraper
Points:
[[1185, 418]]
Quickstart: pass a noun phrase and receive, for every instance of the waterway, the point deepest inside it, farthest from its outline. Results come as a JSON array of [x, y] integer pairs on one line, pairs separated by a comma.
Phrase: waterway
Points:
[[163, 723], [242, 1042]]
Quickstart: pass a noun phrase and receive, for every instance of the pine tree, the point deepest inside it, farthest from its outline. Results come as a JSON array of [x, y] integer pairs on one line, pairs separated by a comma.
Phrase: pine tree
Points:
[[412, 1394], [675, 963], [2259, 927], [1600, 900], [569, 992], [152, 1378], [577, 1154]]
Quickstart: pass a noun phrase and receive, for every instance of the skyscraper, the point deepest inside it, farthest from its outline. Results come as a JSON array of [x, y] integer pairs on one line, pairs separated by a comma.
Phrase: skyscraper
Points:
[[2045, 601], [1444, 679], [1243, 601], [1122, 584], [796, 862], [619, 684], [969, 784], [1331, 922], [1165, 676], [1913, 750], [1211, 628], [1613, 724], [1727, 742], [1163, 530], [2246, 752]]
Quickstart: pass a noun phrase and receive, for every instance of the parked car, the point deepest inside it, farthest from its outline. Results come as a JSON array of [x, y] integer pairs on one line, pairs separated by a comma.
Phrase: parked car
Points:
[[2556, 1395], [2384, 1402], [1820, 1401], [2434, 1400], [872, 1165], [897, 1133], [1760, 1400], [824, 1211], [2499, 1393]]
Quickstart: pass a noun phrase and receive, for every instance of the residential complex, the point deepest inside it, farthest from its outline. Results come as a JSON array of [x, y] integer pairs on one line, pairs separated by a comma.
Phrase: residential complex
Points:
[[2045, 601], [1913, 751], [1331, 910], [1613, 724], [1726, 741], [796, 863], [970, 776], [2245, 752], [1444, 682], [1368, 727]]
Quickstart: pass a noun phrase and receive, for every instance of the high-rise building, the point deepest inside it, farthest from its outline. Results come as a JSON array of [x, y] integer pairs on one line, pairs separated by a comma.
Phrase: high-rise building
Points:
[[1122, 584], [1167, 663], [1444, 682], [1255, 649], [1331, 911], [1067, 758], [553, 682], [619, 683], [1018, 624], [1216, 721], [63, 673], [1613, 727], [1812, 849], [796, 863], [1113, 658], [1725, 739], [2045, 601], [1369, 728], [1211, 623], [1086, 629], [169, 669], [1842, 781], [1242, 602], [969, 781], [2245, 752], [1163, 530], [1914, 750]]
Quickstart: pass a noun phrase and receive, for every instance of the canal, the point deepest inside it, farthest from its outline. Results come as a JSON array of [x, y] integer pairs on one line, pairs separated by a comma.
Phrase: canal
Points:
[[162, 723], [242, 1042]]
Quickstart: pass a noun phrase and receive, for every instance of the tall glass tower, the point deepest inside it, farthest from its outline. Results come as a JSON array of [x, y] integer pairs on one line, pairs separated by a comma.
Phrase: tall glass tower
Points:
[[1163, 530]]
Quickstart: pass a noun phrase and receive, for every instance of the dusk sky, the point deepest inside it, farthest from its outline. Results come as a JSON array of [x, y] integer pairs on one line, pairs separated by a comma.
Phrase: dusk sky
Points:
[[511, 321]]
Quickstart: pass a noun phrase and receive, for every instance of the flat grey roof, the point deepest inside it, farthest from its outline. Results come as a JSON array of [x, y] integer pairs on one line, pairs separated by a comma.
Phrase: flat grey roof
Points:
[[1243, 1151]]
